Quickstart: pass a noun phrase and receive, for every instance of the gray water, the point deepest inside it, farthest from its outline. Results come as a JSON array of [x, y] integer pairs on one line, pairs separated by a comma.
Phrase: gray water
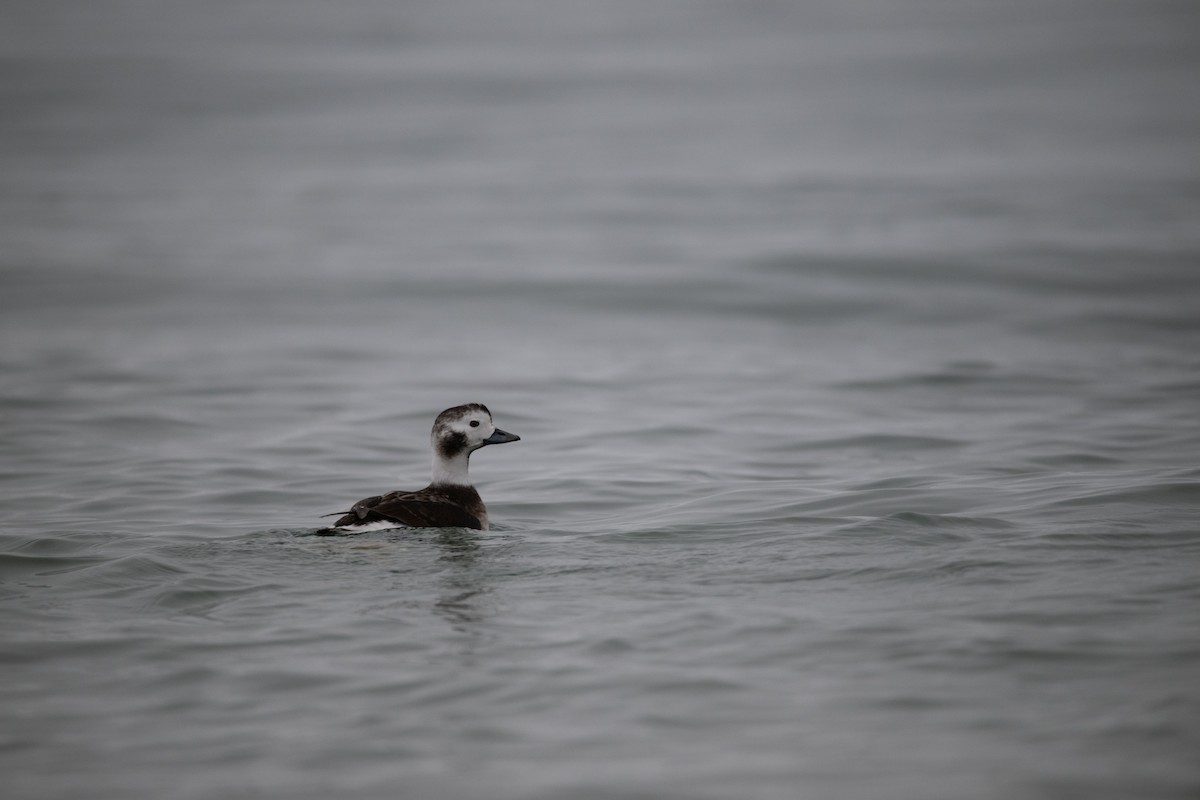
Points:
[[854, 347]]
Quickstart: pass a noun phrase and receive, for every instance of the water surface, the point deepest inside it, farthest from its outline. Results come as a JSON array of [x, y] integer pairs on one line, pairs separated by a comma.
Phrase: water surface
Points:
[[853, 347]]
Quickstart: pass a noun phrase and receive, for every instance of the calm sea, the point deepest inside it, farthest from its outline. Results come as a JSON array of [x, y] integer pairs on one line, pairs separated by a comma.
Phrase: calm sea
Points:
[[854, 347]]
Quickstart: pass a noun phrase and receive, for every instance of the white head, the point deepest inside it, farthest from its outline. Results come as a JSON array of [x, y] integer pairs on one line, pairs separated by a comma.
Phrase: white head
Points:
[[458, 432]]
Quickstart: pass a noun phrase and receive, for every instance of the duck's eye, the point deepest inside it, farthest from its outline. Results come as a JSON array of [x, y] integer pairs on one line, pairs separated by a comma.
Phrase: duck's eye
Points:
[[474, 423]]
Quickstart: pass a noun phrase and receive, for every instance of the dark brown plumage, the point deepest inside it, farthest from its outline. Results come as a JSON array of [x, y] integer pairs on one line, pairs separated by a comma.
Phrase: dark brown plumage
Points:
[[432, 507]]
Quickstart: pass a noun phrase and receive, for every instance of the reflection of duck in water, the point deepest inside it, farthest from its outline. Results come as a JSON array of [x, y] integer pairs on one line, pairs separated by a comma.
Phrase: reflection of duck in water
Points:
[[449, 501]]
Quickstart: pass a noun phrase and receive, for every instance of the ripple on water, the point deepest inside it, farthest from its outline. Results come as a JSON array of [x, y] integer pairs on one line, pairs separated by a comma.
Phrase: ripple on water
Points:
[[1185, 494], [922, 528], [883, 442]]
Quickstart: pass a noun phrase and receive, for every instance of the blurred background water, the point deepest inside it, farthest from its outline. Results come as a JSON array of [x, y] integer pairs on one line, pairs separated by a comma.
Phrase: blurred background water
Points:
[[855, 348]]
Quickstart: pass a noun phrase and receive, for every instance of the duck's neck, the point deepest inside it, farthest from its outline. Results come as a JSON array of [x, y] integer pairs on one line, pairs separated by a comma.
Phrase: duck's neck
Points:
[[450, 471]]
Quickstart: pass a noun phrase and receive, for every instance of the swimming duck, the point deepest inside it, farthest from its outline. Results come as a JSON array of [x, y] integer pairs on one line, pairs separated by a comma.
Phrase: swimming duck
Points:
[[449, 501]]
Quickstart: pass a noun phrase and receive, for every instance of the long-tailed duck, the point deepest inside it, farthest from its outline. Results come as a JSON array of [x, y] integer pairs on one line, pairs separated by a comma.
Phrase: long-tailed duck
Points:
[[449, 501]]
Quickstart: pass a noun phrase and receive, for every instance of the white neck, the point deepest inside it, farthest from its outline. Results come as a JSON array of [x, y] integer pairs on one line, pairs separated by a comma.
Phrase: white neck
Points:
[[451, 470]]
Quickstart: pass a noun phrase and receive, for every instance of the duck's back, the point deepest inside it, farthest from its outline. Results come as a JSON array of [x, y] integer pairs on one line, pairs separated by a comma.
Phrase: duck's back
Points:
[[437, 506]]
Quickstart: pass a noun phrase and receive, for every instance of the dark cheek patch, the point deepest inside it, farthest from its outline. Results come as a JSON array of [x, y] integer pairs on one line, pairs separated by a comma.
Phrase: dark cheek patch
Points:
[[451, 444]]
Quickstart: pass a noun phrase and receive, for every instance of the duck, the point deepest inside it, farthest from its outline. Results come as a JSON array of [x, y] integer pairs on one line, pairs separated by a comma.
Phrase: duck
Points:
[[449, 501]]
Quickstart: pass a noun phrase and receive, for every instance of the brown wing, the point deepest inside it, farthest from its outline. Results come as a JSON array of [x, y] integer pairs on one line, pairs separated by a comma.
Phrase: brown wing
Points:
[[410, 509]]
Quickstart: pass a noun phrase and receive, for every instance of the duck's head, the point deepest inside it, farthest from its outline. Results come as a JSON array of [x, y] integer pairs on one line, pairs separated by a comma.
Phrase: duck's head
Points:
[[461, 430]]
